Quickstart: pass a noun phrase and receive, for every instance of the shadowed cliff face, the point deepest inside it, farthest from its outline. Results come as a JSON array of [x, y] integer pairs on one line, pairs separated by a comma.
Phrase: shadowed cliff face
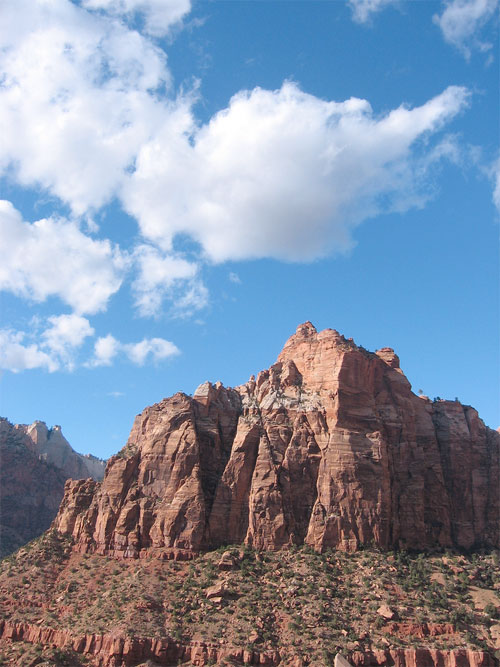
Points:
[[328, 447], [35, 462]]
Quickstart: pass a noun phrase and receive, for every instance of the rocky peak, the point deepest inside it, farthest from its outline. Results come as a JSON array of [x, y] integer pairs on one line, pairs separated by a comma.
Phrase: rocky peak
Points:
[[329, 446], [51, 446], [389, 356], [37, 431], [325, 359], [306, 330]]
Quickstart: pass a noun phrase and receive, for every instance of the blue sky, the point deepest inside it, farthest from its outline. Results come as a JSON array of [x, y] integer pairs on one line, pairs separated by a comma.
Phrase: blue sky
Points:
[[183, 183]]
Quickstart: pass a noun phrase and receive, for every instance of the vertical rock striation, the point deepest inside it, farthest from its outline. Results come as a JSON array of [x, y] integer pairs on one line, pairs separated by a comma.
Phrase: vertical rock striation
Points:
[[328, 447]]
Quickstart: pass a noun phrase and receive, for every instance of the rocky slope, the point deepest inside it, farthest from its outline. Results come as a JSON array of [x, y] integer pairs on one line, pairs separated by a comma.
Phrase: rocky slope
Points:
[[239, 606], [329, 447], [35, 464]]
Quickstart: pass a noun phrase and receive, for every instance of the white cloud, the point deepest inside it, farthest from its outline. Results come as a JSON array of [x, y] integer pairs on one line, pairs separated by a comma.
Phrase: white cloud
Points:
[[66, 331], [282, 173], [159, 15], [277, 174], [52, 257], [165, 276], [57, 346], [194, 298], [234, 278], [65, 335], [78, 97], [462, 21], [362, 10], [156, 348], [85, 113], [80, 94], [16, 357], [107, 348]]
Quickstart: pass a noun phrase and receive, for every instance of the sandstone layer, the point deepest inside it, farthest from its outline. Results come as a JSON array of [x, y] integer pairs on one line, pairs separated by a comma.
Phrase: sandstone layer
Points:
[[113, 650], [329, 447], [35, 463]]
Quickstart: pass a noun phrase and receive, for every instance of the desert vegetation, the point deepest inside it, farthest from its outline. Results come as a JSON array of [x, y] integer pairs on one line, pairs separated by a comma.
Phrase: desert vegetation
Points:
[[304, 603]]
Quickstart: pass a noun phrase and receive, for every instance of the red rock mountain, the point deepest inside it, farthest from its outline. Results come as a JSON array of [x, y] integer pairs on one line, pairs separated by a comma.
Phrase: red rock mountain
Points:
[[329, 447], [35, 462]]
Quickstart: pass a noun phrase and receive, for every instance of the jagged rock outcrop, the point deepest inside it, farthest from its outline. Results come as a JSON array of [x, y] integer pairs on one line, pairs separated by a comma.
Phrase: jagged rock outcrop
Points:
[[113, 650], [51, 446], [35, 463], [420, 657], [329, 447]]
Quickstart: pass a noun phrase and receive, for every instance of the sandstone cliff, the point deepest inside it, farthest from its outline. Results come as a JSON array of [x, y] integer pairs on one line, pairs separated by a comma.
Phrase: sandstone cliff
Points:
[[51, 446], [35, 462], [328, 447], [112, 650]]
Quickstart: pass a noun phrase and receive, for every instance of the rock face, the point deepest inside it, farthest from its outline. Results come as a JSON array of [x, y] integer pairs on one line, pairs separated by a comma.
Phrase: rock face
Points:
[[329, 447], [51, 446], [113, 650], [35, 464]]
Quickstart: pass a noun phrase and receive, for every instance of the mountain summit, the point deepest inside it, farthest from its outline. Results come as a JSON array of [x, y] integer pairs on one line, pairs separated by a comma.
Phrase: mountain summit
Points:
[[329, 447]]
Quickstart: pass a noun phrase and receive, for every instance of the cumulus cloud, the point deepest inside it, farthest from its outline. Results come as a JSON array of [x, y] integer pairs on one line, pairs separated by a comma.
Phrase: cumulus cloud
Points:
[[87, 112], [56, 348], [64, 336], [107, 347], [158, 15], [17, 356], [282, 173], [462, 22], [52, 257], [66, 331], [362, 10], [78, 97], [105, 350], [276, 174], [60, 347], [163, 276], [80, 94], [156, 348]]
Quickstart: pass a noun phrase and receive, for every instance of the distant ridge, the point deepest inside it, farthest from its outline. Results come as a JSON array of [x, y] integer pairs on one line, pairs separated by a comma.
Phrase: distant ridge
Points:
[[35, 463]]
